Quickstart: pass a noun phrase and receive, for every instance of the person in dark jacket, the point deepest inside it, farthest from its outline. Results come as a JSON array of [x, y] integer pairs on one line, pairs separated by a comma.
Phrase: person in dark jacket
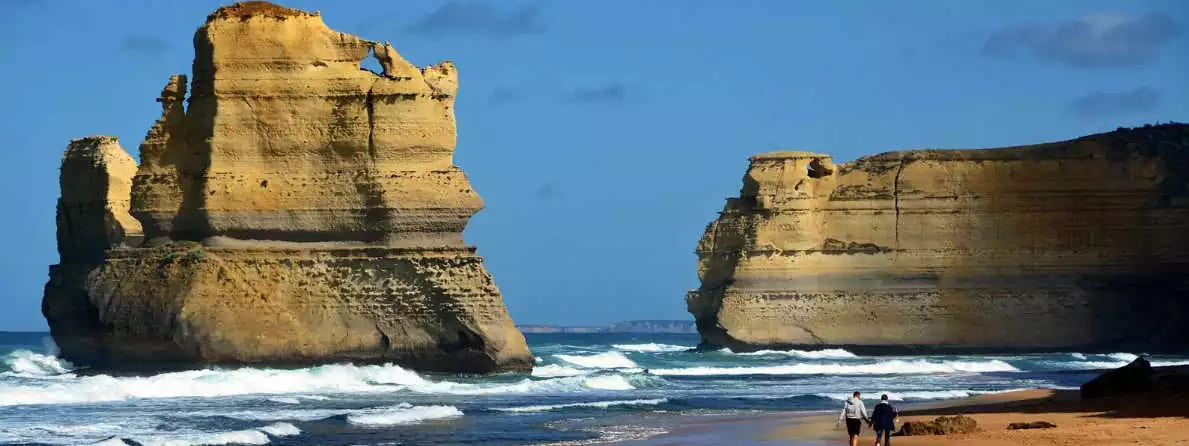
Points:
[[883, 420]]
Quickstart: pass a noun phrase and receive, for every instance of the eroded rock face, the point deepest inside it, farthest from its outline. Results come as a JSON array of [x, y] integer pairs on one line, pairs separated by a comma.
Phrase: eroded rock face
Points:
[[93, 218], [956, 424], [95, 177], [300, 209], [1083, 243]]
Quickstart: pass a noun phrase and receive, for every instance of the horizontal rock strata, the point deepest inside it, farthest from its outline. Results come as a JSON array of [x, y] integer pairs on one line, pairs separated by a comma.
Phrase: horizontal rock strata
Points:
[[1078, 244], [296, 208]]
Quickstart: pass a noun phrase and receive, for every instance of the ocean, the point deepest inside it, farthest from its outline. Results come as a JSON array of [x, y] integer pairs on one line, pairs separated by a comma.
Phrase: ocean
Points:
[[585, 389]]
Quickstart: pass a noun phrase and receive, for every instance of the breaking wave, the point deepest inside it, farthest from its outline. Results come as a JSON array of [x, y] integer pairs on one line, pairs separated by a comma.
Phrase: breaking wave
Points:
[[255, 436], [651, 347], [402, 414], [918, 395], [605, 360], [897, 366], [829, 353], [1125, 357], [213, 383], [1104, 365], [247, 436], [281, 429], [609, 382], [595, 404], [554, 370], [25, 362], [337, 378]]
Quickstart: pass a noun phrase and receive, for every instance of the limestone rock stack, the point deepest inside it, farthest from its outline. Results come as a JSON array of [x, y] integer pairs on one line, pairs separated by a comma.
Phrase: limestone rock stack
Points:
[[95, 178], [296, 209], [1079, 244], [93, 217]]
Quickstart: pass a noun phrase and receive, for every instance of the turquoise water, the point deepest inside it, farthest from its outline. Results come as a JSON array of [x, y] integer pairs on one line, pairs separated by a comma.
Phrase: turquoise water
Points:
[[586, 389]]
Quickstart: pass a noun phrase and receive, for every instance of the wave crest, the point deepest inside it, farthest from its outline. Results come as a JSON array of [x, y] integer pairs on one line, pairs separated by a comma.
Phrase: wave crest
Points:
[[897, 366], [609, 382], [829, 353], [917, 395], [651, 347], [554, 370], [25, 362], [605, 360], [215, 383], [595, 404], [402, 414]]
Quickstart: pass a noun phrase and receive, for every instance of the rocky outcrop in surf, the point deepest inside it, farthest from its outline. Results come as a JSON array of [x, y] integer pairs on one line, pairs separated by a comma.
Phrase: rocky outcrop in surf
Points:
[[295, 207], [1078, 244]]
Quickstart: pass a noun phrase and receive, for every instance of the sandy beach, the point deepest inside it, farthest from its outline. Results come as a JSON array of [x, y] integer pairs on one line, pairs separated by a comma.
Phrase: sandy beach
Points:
[[1119, 421]]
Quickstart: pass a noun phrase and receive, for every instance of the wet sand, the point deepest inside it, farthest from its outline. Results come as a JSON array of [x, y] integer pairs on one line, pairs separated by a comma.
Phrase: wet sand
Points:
[[1136, 420]]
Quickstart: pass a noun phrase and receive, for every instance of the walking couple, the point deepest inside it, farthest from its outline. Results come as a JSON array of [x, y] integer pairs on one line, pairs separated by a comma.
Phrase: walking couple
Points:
[[882, 419]]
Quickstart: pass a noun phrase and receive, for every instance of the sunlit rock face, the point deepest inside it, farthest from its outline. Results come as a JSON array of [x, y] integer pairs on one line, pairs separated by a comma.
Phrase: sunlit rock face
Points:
[[295, 209], [1077, 244]]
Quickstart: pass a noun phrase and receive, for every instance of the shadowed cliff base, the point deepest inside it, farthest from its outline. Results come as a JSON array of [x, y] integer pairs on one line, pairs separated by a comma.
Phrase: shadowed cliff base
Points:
[[299, 210], [1082, 244]]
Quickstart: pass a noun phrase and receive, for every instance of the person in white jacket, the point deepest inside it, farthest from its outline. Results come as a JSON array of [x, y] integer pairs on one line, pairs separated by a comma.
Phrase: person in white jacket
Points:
[[854, 413]]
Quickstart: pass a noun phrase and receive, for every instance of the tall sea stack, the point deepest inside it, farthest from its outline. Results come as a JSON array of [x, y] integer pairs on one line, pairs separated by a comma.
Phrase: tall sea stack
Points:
[[1082, 244], [295, 208]]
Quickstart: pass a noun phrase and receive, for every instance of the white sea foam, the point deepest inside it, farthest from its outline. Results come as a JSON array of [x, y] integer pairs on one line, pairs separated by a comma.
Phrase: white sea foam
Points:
[[113, 441], [246, 436], [271, 414], [829, 353], [281, 430], [596, 404], [565, 384], [605, 360], [30, 430], [285, 400], [214, 383], [1078, 356], [339, 378], [897, 366], [1126, 357], [1087, 365], [609, 382], [1102, 365], [916, 395], [25, 362], [651, 347], [554, 370], [144, 431], [402, 414], [1168, 363]]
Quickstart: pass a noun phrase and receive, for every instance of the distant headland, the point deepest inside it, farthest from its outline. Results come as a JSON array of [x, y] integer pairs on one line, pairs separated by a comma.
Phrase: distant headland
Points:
[[1080, 244]]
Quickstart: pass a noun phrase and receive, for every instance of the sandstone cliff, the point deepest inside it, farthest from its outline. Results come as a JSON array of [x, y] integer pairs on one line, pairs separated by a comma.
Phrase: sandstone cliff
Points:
[[1079, 244], [295, 208]]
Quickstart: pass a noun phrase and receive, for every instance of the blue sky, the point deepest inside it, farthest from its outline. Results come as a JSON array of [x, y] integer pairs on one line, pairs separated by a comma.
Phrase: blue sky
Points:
[[605, 135]]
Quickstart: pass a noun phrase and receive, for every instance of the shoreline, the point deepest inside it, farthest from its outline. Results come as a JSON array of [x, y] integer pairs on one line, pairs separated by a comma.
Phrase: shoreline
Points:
[[1133, 419]]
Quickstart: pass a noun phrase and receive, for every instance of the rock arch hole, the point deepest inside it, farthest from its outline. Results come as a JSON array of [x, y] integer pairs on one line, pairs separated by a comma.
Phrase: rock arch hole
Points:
[[371, 63], [817, 169]]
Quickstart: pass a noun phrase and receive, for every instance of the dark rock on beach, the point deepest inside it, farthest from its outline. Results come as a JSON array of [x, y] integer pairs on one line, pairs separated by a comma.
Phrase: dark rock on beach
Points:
[[1031, 425], [957, 424]]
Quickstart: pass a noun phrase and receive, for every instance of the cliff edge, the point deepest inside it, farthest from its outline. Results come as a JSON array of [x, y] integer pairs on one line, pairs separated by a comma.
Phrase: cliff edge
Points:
[[290, 207], [1082, 244]]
